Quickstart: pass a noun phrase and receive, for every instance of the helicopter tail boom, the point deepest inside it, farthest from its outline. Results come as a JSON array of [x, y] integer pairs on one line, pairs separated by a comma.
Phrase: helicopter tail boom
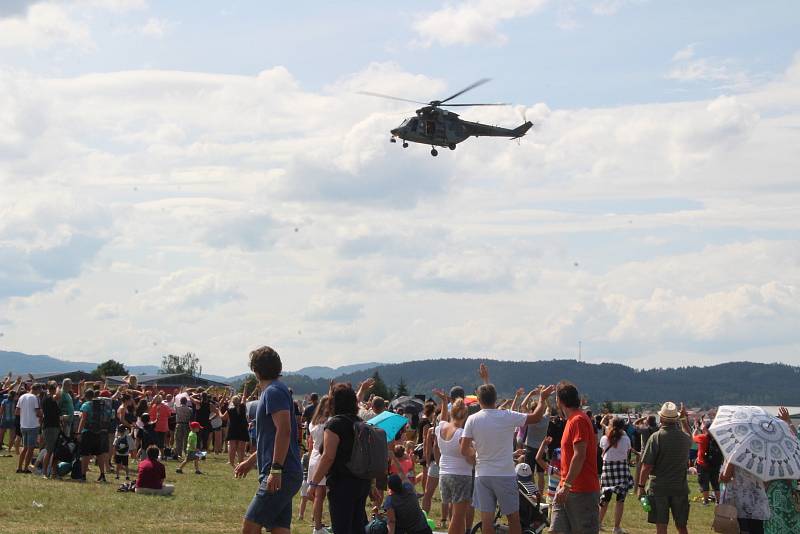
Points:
[[522, 130], [483, 130]]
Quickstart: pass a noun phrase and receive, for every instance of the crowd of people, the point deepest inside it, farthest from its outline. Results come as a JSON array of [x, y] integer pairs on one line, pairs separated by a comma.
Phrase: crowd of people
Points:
[[71, 424], [534, 460]]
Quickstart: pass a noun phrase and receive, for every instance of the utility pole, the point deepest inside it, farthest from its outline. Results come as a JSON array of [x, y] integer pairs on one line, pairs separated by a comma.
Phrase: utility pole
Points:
[[579, 351]]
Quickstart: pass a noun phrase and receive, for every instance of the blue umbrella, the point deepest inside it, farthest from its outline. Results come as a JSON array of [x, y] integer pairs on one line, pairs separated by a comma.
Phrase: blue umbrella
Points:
[[391, 423]]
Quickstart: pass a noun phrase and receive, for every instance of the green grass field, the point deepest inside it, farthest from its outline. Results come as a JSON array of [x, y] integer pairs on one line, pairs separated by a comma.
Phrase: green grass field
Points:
[[213, 502]]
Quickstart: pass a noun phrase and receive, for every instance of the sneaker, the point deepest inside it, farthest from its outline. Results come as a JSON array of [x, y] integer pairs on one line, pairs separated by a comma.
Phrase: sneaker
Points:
[[198, 472], [127, 478], [117, 477], [619, 530], [179, 471], [102, 478], [321, 530]]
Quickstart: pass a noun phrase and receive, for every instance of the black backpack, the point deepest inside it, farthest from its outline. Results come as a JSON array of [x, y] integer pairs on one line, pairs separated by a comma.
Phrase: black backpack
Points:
[[377, 526], [100, 417], [370, 454], [713, 454]]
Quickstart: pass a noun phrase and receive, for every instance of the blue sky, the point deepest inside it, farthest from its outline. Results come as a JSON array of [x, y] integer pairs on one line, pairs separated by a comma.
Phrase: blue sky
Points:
[[183, 176]]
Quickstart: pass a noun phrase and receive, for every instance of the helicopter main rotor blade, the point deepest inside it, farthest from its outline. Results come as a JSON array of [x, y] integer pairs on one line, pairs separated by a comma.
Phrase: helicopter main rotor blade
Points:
[[369, 93], [469, 105], [464, 90]]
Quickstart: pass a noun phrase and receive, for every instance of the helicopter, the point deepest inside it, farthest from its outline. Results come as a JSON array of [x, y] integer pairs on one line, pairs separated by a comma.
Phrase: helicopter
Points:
[[436, 126]]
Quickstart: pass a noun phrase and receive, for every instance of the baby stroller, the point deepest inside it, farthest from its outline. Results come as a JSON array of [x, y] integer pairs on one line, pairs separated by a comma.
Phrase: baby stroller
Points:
[[66, 451], [532, 512]]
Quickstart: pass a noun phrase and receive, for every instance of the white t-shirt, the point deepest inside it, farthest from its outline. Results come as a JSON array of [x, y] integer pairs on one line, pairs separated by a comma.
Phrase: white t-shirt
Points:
[[618, 453], [492, 431], [28, 404], [452, 462]]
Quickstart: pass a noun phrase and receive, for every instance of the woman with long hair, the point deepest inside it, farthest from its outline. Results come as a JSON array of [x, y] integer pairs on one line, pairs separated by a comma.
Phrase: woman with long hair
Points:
[[237, 430], [616, 476], [316, 432], [347, 494], [455, 470]]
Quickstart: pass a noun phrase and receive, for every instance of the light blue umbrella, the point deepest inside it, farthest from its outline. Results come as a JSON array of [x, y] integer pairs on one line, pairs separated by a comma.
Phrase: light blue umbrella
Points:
[[391, 423]]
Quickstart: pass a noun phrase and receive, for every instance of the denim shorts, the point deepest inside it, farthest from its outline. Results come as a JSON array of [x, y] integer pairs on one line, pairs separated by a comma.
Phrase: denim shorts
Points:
[[271, 510], [489, 492], [29, 437]]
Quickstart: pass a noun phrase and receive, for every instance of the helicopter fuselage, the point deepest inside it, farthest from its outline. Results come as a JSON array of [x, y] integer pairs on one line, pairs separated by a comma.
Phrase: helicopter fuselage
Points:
[[439, 127]]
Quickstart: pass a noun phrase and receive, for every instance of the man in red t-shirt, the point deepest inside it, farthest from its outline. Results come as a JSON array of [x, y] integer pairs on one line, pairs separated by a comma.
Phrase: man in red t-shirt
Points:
[[152, 474], [576, 507]]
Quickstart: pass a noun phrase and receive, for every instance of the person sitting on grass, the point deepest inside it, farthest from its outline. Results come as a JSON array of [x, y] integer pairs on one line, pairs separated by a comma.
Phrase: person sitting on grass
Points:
[[403, 513], [192, 448], [123, 443], [152, 474]]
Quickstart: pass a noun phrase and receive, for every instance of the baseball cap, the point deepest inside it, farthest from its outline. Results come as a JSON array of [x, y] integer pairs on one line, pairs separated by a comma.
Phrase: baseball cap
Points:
[[523, 470], [194, 425]]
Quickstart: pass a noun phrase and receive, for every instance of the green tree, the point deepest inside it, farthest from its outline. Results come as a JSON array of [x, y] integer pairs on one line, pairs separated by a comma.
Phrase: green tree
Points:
[[380, 389], [110, 368], [188, 363], [402, 387]]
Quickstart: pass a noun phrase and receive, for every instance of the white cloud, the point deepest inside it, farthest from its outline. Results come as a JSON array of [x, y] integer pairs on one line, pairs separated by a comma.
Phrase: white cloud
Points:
[[191, 218], [192, 289], [473, 21], [44, 26]]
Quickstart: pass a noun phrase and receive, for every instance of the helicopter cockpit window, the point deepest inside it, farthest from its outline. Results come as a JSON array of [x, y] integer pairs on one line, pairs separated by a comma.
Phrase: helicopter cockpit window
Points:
[[412, 124]]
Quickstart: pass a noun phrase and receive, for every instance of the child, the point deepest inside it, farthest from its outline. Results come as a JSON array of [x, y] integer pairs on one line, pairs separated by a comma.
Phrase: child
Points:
[[402, 506], [304, 487], [152, 474], [553, 469], [192, 448], [403, 465], [123, 443], [147, 435]]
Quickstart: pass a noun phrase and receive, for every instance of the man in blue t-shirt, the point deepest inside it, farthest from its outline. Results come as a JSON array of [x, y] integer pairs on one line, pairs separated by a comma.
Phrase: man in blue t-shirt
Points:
[[277, 453]]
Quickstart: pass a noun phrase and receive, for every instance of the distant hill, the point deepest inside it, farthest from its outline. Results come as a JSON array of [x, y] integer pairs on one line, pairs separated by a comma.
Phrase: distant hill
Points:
[[319, 371], [729, 383], [20, 363]]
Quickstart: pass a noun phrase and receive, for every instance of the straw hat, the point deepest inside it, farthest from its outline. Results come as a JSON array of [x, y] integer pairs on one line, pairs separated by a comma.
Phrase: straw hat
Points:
[[668, 412]]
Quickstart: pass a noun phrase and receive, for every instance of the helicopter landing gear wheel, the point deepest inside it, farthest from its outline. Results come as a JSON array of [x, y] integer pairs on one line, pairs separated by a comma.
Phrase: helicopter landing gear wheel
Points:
[[451, 146], [405, 145], [434, 152], [392, 140]]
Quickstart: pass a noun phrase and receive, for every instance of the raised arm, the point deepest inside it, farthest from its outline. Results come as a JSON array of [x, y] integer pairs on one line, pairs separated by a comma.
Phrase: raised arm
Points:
[[536, 416], [445, 415], [515, 404], [483, 372]]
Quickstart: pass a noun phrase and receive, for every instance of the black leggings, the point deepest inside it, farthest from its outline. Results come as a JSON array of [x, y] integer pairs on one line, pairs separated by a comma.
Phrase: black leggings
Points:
[[347, 497], [751, 526]]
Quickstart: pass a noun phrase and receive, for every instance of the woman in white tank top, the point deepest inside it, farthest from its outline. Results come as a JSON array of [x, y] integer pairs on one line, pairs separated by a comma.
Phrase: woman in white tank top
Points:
[[455, 470], [316, 428]]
